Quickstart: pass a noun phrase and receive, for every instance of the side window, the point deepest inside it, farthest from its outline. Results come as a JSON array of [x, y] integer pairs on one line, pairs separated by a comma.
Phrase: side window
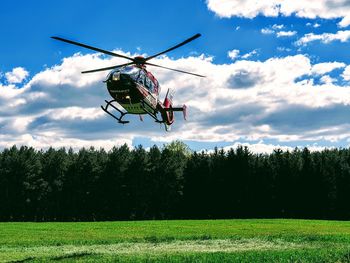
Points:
[[156, 87], [141, 78], [151, 87], [148, 84]]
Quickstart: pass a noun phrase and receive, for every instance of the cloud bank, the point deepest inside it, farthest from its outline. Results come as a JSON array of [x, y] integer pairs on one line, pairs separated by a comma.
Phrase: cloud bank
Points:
[[276, 99], [342, 36], [327, 9]]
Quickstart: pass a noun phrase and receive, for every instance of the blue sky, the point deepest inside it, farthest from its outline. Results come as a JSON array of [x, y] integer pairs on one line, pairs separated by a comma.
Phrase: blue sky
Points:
[[278, 72]]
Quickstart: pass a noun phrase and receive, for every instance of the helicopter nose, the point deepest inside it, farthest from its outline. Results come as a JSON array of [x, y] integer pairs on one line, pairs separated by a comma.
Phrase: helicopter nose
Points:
[[120, 83]]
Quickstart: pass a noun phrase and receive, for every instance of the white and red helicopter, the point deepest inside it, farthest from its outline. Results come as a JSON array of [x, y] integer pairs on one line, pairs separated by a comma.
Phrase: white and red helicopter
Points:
[[135, 89]]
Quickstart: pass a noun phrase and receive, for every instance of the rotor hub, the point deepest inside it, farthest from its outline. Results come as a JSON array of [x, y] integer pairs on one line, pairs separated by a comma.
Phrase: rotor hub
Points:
[[139, 60]]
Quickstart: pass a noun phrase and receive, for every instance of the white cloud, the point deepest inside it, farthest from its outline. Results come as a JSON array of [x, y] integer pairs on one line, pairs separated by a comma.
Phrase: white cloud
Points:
[[282, 49], [315, 25], [72, 113], [45, 140], [17, 75], [274, 30], [250, 54], [277, 27], [261, 147], [69, 72], [286, 33], [326, 67], [327, 9], [346, 73], [250, 9], [345, 22], [20, 124], [326, 79], [342, 36], [267, 31], [233, 54]]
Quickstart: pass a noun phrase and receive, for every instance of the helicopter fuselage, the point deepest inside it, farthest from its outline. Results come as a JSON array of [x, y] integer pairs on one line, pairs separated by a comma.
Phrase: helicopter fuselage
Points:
[[137, 91]]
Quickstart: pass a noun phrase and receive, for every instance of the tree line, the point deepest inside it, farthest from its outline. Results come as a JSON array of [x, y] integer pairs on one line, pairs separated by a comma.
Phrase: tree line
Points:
[[172, 183]]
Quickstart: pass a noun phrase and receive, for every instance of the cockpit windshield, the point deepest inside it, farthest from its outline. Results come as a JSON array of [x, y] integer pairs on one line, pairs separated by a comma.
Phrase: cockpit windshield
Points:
[[129, 70], [133, 72]]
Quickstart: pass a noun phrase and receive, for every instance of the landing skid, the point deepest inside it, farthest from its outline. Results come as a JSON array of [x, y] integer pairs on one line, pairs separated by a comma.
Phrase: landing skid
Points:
[[119, 119], [145, 106]]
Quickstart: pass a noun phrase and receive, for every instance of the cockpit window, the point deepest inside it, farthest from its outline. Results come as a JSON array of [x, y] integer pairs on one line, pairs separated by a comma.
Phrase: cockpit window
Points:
[[133, 72], [129, 70], [141, 78], [149, 85]]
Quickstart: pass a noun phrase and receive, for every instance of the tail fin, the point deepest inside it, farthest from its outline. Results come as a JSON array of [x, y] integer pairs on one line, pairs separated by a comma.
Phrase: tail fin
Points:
[[168, 101], [168, 110]]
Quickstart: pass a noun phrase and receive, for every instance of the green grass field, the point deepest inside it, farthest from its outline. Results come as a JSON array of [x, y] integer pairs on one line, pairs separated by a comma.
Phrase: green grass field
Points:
[[248, 240]]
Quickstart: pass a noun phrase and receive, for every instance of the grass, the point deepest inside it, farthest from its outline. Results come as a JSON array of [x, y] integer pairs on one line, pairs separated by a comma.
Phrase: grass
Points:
[[249, 240]]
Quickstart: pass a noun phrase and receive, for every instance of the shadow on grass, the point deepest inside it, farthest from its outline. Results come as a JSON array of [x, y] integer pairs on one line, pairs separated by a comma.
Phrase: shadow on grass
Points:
[[56, 258], [72, 256], [22, 260]]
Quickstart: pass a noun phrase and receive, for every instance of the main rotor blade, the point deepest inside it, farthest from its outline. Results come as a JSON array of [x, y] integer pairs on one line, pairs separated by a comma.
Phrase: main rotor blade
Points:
[[102, 69], [150, 64], [92, 48], [174, 47]]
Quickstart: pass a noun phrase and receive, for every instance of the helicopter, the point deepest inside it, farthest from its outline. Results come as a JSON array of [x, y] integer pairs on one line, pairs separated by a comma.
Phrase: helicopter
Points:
[[134, 89]]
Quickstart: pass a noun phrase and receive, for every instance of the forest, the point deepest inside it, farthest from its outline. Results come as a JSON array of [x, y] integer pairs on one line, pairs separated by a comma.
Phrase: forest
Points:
[[172, 182]]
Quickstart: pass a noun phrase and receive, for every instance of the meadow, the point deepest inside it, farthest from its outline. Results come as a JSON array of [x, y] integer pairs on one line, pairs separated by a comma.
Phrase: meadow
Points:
[[244, 240]]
